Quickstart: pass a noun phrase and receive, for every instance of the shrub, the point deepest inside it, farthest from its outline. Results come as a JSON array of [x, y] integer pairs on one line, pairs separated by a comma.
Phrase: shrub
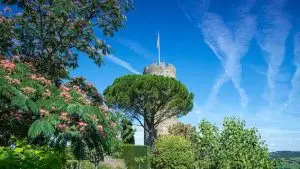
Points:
[[25, 156], [172, 152], [136, 156]]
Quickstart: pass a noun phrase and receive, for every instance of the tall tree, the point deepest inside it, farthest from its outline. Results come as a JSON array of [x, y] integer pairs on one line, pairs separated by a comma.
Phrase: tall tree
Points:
[[51, 33], [33, 106], [150, 100], [233, 147]]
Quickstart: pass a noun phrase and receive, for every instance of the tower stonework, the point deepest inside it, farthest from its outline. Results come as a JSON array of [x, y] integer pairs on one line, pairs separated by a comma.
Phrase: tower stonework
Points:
[[168, 70]]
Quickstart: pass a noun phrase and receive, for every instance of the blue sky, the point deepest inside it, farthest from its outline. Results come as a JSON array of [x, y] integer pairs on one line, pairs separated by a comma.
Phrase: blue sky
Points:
[[239, 57]]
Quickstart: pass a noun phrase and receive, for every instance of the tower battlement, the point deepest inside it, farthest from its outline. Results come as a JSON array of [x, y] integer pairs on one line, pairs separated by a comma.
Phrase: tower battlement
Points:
[[161, 69]]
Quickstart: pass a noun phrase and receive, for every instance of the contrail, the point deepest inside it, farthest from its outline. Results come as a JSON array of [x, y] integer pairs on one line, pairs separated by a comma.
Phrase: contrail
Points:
[[122, 63], [136, 47], [228, 45], [271, 40], [296, 78]]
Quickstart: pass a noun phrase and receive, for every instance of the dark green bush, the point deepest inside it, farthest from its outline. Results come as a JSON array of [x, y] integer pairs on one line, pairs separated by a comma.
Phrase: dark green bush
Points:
[[136, 156]]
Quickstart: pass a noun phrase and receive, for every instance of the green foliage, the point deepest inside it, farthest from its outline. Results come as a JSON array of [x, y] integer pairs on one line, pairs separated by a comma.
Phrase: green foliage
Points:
[[127, 132], [173, 152], [85, 164], [81, 84], [151, 98], [25, 156], [51, 33], [132, 155], [233, 147], [33, 105]]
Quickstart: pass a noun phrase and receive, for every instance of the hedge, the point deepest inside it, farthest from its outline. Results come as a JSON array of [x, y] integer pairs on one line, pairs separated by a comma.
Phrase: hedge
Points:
[[132, 154]]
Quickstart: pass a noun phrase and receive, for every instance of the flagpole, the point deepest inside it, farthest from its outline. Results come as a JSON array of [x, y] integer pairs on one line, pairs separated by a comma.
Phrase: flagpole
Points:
[[158, 47]]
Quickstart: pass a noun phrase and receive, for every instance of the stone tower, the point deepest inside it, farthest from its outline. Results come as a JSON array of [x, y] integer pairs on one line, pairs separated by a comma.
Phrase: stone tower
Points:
[[168, 70]]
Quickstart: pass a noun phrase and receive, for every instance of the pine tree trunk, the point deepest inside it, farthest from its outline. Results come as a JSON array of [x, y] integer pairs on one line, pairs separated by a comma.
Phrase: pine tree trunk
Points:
[[149, 135]]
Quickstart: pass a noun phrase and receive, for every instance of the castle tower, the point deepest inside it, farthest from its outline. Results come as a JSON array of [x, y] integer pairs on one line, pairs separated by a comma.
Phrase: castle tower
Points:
[[168, 70]]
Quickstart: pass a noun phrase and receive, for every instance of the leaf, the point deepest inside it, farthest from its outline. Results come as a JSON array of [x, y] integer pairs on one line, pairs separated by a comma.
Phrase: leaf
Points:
[[73, 108], [33, 107], [19, 101], [41, 126]]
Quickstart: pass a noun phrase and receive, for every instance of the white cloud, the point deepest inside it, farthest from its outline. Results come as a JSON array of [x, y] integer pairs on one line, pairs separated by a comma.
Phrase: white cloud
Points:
[[228, 45], [296, 78], [136, 47], [271, 39], [122, 63]]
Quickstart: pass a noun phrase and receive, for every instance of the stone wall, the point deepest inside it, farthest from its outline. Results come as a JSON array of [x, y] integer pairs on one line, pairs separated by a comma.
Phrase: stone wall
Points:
[[162, 69]]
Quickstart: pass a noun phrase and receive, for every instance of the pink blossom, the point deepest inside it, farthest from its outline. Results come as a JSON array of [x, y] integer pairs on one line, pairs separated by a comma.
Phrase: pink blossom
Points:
[[7, 65], [61, 126], [44, 112], [28, 90], [104, 108], [81, 123]]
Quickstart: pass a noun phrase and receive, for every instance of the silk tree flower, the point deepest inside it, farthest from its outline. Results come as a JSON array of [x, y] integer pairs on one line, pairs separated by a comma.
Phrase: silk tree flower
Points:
[[12, 80], [44, 112], [28, 90], [7, 65], [61, 126]]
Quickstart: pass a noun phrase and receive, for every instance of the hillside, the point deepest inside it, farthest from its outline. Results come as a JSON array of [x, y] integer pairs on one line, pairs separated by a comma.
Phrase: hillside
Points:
[[290, 159]]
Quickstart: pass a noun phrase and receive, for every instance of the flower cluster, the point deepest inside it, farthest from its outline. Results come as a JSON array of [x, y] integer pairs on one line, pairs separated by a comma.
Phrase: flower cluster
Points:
[[28, 90], [81, 86], [12, 80], [47, 93], [65, 93], [7, 65], [82, 126], [61, 126], [103, 108], [44, 112], [40, 78], [65, 119]]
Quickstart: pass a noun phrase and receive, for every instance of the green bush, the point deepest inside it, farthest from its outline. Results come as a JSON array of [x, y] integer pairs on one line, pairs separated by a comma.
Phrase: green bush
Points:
[[85, 164], [172, 152], [136, 156], [25, 156]]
